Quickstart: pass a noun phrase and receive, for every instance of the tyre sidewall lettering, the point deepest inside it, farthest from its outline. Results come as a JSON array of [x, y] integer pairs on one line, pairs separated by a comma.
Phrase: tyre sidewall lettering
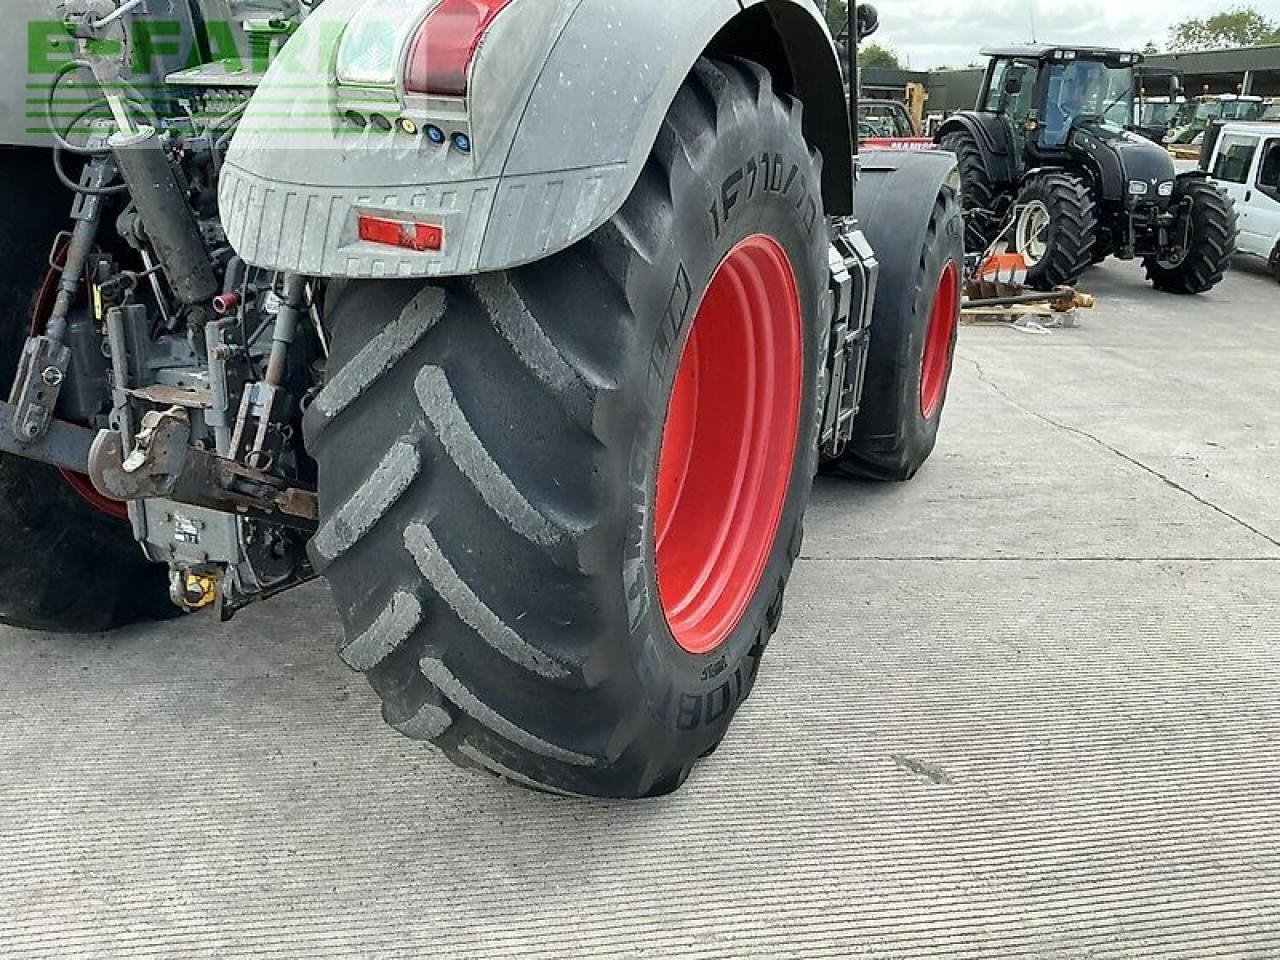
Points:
[[774, 191]]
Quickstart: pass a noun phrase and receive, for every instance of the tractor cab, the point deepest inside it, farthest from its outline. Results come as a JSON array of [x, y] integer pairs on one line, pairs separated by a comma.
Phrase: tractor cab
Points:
[[1207, 110], [1040, 93]]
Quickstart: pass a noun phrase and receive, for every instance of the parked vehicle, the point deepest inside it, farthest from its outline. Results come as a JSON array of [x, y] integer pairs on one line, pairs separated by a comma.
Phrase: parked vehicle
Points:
[[1245, 164], [1049, 169], [534, 369], [1192, 121], [886, 125], [1153, 115], [1156, 115]]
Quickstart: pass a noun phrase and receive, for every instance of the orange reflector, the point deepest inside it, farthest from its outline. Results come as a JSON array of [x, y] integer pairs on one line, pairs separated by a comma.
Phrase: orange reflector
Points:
[[423, 237]]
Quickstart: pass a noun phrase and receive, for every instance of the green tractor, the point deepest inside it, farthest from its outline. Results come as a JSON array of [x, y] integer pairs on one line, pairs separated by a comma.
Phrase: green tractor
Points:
[[1049, 171]]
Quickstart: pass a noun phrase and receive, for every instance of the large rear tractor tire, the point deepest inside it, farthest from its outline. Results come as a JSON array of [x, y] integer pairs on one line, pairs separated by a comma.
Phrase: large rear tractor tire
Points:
[[977, 193], [66, 566], [1055, 229], [1214, 231], [560, 504], [913, 342]]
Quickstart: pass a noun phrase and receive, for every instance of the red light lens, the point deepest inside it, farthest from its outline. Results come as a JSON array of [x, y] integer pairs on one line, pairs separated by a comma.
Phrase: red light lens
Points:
[[447, 43], [423, 237]]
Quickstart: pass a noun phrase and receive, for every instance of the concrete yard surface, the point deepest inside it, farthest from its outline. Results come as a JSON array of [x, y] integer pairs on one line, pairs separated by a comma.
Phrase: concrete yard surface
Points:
[[1026, 706]]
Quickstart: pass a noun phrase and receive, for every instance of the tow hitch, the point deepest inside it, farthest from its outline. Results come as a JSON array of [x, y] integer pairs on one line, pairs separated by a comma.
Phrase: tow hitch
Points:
[[163, 464]]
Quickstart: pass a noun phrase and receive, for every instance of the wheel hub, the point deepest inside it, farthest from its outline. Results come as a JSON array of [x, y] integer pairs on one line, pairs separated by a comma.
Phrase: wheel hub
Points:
[[1031, 232], [729, 444]]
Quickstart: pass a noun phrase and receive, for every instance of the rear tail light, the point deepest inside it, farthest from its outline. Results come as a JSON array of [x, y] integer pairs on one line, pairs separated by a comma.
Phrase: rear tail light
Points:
[[422, 237], [447, 41]]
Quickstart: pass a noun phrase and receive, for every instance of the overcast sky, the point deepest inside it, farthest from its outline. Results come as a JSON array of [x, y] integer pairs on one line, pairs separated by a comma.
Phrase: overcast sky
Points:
[[935, 33]]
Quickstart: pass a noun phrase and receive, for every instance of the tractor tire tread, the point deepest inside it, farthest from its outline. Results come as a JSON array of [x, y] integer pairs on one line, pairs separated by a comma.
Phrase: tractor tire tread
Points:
[[459, 528], [1214, 230]]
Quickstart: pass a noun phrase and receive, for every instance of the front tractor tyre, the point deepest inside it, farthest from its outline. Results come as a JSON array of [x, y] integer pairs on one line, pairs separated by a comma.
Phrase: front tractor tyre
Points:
[[560, 504], [977, 192], [1214, 230], [1055, 228]]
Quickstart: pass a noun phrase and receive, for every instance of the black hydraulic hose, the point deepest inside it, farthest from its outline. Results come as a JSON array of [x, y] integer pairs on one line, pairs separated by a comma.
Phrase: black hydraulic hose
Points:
[[78, 187], [58, 136], [133, 98]]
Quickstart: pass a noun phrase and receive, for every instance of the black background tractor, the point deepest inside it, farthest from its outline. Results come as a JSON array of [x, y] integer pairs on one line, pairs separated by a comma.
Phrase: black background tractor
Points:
[[1049, 169]]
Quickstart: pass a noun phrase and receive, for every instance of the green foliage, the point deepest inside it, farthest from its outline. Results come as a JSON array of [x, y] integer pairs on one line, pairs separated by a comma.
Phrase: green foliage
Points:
[[873, 55], [1240, 26]]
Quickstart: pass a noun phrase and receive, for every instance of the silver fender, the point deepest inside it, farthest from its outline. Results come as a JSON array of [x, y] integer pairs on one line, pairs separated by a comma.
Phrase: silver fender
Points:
[[566, 101]]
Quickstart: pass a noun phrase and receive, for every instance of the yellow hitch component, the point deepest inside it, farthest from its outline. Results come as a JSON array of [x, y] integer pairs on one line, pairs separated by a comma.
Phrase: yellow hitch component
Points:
[[192, 591]]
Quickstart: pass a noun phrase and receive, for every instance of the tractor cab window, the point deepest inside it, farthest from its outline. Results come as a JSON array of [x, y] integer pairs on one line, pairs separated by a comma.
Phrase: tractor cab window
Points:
[[1010, 97], [1235, 157], [1082, 88], [883, 120], [1242, 110], [1010, 91], [1269, 169], [1159, 113]]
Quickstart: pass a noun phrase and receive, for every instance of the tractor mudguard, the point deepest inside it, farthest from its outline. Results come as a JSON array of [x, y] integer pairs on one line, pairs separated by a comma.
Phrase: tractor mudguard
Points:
[[897, 191], [564, 105], [992, 138]]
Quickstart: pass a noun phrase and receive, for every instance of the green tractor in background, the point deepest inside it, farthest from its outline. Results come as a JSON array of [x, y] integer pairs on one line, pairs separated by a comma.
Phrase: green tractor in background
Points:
[[1050, 171]]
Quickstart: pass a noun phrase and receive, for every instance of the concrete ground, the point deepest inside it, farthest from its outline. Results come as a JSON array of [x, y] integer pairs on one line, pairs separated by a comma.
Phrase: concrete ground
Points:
[[1025, 706]]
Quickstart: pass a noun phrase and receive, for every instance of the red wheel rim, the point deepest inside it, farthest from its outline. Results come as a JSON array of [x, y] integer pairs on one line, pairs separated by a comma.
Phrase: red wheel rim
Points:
[[935, 363], [729, 444]]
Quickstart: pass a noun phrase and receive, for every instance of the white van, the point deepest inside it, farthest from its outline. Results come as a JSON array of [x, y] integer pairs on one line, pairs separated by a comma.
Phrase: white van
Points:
[[1245, 163]]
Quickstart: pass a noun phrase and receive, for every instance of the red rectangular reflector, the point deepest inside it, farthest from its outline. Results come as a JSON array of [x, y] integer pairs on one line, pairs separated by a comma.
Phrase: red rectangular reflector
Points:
[[423, 237]]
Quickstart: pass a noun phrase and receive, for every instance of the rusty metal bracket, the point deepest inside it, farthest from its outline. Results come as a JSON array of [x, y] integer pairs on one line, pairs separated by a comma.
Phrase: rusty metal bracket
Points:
[[163, 465]]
